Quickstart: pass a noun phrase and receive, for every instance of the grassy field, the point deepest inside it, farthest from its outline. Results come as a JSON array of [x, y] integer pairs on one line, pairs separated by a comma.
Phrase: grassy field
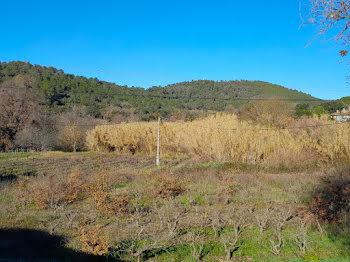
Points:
[[123, 208]]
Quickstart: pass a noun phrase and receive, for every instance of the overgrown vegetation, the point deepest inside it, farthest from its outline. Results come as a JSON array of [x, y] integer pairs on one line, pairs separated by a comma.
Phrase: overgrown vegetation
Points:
[[185, 210], [277, 141], [320, 109]]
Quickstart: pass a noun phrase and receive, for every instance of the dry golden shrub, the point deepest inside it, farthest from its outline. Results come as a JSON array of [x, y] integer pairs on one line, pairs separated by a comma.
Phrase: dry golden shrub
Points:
[[98, 188], [267, 113], [168, 186], [128, 137], [222, 137], [53, 190], [92, 240], [74, 186]]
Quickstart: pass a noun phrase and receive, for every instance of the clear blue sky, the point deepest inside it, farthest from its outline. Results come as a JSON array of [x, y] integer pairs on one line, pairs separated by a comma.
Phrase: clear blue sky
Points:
[[161, 42]]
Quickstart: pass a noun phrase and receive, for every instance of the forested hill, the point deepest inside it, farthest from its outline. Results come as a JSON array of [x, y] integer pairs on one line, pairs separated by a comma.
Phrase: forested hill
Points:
[[60, 91]]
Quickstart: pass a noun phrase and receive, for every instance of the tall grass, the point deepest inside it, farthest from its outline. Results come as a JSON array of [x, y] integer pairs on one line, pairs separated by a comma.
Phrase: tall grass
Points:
[[222, 137]]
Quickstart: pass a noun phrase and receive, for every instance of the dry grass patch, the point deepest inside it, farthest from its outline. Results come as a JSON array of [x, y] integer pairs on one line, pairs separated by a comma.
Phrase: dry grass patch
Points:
[[222, 137]]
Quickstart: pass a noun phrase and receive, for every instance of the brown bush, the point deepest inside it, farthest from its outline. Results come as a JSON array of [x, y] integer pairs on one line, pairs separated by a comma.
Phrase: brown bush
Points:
[[121, 205], [168, 186], [54, 190], [332, 198], [229, 189], [92, 240]]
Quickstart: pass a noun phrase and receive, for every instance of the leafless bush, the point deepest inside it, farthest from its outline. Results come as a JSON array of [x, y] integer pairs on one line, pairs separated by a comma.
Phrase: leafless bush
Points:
[[54, 190], [197, 222], [118, 115], [144, 231], [36, 138], [170, 215], [73, 126], [276, 243], [229, 189], [301, 235], [262, 217], [282, 214], [281, 217], [216, 222], [235, 223]]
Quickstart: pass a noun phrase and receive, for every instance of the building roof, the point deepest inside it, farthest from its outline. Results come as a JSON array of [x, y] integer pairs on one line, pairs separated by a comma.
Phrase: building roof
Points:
[[341, 114]]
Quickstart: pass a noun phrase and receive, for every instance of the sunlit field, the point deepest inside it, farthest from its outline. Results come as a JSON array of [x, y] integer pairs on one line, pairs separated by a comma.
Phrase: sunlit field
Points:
[[226, 190]]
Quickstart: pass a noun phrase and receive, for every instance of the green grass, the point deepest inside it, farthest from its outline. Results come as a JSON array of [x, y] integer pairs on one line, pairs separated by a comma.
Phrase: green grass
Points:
[[7, 156]]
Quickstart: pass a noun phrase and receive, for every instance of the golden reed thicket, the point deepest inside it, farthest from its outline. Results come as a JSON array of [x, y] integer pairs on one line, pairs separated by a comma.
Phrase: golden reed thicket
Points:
[[222, 137]]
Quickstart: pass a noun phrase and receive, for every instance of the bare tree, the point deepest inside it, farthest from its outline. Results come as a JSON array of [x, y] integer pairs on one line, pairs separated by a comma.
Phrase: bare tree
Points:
[[39, 137], [148, 230], [216, 222], [170, 216], [196, 236], [19, 108], [73, 125], [332, 15], [301, 235], [197, 240], [230, 237], [277, 243], [281, 217], [262, 217]]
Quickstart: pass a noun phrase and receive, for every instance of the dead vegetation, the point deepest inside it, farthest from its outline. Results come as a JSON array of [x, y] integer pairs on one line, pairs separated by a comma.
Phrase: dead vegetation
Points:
[[222, 137], [331, 200], [167, 186]]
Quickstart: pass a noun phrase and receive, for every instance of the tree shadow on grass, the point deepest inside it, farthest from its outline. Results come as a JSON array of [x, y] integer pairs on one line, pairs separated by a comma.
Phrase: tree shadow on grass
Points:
[[33, 245], [8, 176]]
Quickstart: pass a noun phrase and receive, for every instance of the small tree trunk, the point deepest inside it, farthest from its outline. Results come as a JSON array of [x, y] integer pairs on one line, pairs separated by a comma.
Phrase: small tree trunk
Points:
[[228, 254], [75, 146]]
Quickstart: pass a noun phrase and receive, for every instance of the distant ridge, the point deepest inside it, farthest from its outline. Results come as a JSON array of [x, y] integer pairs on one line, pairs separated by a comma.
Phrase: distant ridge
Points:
[[60, 90]]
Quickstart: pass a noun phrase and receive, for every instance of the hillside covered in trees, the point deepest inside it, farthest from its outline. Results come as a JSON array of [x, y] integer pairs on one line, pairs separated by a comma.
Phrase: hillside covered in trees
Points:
[[60, 91]]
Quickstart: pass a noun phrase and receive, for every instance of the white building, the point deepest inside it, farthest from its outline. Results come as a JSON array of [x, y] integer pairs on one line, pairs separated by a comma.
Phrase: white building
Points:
[[341, 116]]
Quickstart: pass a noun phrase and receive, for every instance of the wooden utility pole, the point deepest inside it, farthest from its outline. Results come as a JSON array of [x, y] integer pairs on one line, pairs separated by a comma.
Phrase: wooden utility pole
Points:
[[158, 143]]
